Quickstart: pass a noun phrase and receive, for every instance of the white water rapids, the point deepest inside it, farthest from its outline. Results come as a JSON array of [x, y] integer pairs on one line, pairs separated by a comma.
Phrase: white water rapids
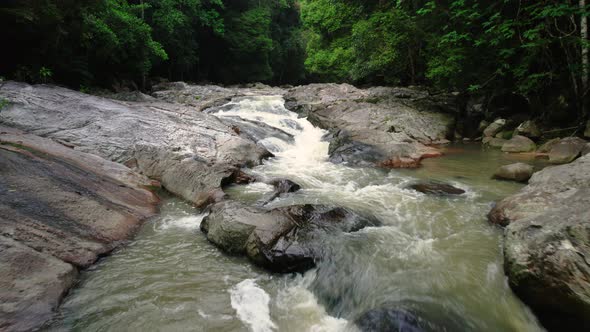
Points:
[[434, 254]]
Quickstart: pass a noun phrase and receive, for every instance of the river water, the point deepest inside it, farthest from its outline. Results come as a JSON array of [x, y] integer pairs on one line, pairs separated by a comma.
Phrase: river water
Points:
[[436, 255]]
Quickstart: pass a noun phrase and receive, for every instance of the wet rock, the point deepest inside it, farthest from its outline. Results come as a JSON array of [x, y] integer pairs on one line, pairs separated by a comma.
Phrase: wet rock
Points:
[[528, 129], [519, 144], [188, 151], [408, 318], [436, 188], [566, 150], [494, 128], [283, 239], [60, 209], [384, 126], [519, 172], [281, 187], [547, 240], [547, 146]]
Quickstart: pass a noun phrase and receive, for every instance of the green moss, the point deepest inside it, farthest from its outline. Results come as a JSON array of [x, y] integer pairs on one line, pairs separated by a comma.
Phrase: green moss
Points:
[[3, 103]]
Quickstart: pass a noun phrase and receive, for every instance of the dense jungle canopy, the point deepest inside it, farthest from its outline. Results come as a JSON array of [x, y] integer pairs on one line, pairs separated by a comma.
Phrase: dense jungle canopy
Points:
[[536, 49]]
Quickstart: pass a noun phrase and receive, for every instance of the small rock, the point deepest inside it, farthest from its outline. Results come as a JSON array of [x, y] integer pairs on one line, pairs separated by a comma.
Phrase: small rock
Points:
[[282, 186], [519, 144], [520, 172], [528, 129], [566, 150], [494, 128], [436, 188], [547, 146]]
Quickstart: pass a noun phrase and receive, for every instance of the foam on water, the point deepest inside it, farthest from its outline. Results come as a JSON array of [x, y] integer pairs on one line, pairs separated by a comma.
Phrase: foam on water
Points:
[[185, 222], [252, 306]]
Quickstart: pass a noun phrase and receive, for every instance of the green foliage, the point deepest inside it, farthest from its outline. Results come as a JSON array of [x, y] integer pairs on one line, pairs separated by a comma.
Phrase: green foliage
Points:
[[3, 103], [45, 74]]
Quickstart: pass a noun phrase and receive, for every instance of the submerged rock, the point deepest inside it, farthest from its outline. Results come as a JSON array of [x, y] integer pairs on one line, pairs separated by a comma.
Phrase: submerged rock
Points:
[[408, 318], [436, 188], [188, 151], [566, 150], [519, 144], [520, 172], [281, 187], [389, 127], [60, 210], [547, 242], [283, 239]]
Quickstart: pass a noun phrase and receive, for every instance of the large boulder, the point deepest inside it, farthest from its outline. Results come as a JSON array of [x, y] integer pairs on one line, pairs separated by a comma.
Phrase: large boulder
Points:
[[519, 144], [566, 150], [494, 142], [547, 146], [494, 128], [60, 210], [528, 129], [188, 151], [547, 242], [390, 127], [283, 239], [519, 172]]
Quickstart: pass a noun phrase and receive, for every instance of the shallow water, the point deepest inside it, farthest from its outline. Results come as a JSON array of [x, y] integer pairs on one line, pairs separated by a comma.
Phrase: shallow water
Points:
[[434, 254]]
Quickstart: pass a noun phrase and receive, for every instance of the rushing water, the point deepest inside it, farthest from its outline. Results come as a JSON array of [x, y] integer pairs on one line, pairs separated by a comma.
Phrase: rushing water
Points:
[[435, 254]]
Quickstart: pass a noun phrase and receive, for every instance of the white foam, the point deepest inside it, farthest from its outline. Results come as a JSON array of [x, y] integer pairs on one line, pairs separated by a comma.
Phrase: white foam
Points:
[[187, 222], [252, 306]]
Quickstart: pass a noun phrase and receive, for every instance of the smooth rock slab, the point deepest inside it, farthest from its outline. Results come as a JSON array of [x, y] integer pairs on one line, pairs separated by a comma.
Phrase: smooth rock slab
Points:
[[60, 210], [189, 152], [283, 239], [519, 144], [519, 172]]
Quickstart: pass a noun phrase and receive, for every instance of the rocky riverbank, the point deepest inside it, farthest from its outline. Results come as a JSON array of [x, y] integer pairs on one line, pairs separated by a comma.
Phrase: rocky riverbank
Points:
[[77, 171]]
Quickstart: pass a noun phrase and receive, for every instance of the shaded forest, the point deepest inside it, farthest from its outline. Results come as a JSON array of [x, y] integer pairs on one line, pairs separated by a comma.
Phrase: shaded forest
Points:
[[534, 49]]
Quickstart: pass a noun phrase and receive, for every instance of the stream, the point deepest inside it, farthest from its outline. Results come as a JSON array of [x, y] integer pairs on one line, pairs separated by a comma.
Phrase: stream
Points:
[[435, 255]]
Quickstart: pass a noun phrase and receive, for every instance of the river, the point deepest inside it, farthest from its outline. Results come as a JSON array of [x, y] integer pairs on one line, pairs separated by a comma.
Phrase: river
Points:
[[435, 255]]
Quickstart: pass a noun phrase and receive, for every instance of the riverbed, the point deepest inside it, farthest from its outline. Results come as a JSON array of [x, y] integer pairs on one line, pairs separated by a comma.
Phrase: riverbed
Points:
[[436, 255]]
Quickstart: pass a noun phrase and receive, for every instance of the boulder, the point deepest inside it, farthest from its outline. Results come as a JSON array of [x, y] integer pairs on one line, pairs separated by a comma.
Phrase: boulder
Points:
[[547, 242], [519, 144], [547, 146], [505, 134], [60, 210], [494, 128], [436, 188], [528, 129], [188, 151], [388, 127], [283, 239], [586, 149], [519, 172], [494, 142], [566, 150]]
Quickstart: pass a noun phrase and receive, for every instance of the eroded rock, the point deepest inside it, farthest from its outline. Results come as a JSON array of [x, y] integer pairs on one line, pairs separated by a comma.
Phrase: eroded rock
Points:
[[188, 151], [494, 128], [60, 209], [547, 240], [282, 239], [528, 129], [390, 127]]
